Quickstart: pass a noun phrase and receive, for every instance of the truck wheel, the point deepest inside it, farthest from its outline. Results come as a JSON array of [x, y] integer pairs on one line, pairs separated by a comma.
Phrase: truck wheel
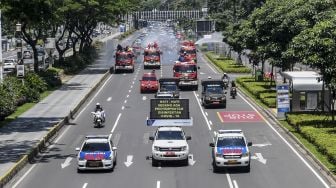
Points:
[[215, 168], [154, 162], [111, 70], [247, 168]]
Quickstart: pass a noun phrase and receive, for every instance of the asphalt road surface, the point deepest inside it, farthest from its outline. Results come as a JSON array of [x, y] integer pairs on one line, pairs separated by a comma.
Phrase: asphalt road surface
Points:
[[276, 163]]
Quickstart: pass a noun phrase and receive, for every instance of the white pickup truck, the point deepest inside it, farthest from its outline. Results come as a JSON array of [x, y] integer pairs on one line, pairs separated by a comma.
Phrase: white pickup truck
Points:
[[170, 144]]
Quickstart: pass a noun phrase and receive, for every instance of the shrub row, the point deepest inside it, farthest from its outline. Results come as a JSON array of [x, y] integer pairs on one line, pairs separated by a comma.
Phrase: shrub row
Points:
[[317, 129], [226, 64], [15, 92], [262, 90]]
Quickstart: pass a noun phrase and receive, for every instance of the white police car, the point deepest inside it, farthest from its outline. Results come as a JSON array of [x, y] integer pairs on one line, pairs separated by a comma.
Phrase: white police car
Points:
[[230, 149], [170, 144], [97, 152]]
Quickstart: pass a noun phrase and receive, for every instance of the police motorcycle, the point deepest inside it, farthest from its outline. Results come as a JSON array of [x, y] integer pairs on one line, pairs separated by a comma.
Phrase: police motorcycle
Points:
[[233, 90], [226, 80], [98, 118]]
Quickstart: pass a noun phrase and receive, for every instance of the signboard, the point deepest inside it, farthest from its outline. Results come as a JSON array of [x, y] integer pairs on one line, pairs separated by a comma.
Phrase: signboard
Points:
[[204, 26], [20, 71], [239, 116], [283, 104], [169, 109], [169, 122]]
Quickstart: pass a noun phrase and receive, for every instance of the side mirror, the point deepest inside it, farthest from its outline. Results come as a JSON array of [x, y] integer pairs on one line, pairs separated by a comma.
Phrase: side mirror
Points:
[[77, 149], [114, 148], [249, 144], [212, 144], [151, 138], [188, 137]]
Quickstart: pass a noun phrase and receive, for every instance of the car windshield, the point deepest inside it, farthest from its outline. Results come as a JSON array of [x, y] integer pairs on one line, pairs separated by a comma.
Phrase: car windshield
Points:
[[148, 78], [170, 135], [214, 89], [122, 57], [185, 69], [231, 141], [92, 147], [168, 87]]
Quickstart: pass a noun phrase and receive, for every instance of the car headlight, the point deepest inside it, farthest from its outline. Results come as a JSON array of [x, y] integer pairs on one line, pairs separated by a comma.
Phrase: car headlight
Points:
[[219, 155], [184, 148], [246, 154], [156, 148], [207, 98], [80, 159]]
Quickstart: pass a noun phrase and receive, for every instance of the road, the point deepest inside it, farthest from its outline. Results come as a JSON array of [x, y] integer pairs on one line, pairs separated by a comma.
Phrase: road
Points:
[[276, 163]]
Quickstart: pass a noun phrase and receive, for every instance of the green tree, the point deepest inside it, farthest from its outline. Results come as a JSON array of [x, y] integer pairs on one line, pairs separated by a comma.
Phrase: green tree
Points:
[[316, 47]]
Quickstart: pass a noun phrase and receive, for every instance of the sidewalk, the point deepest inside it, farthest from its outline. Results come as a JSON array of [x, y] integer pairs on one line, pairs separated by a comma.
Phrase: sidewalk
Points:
[[23, 134]]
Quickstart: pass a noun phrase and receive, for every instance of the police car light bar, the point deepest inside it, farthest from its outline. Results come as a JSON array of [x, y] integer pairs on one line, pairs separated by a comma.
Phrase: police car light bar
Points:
[[97, 136], [229, 131]]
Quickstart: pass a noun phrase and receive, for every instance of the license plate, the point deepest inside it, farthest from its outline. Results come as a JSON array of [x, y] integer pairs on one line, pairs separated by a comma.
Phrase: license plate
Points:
[[93, 163], [215, 102], [232, 161], [170, 153]]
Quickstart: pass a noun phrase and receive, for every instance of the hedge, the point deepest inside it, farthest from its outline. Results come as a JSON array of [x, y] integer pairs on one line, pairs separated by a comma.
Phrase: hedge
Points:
[[262, 90], [227, 65], [317, 129]]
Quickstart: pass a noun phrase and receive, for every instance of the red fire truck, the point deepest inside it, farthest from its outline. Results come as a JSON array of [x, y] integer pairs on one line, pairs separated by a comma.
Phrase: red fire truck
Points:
[[152, 56], [189, 48], [187, 74], [124, 61]]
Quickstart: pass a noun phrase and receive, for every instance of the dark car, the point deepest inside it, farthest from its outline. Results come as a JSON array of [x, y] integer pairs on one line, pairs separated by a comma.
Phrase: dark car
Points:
[[168, 88], [213, 93]]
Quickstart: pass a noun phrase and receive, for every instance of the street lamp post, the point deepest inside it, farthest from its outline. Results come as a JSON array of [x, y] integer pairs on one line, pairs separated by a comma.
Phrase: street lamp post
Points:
[[20, 65]]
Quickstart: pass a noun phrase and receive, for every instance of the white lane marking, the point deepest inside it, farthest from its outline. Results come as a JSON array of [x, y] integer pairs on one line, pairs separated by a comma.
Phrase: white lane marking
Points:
[[199, 104], [124, 74], [131, 86], [127, 96], [235, 184], [144, 98], [259, 158], [123, 107], [116, 123], [66, 162], [129, 91], [262, 145], [208, 64], [125, 101], [159, 167], [94, 97], [109, 99], [206, 113], [288, 144], [85, 185], [43, 154], [158, 184], [229, 180], [133, 82], [210, 122], [129, 162]]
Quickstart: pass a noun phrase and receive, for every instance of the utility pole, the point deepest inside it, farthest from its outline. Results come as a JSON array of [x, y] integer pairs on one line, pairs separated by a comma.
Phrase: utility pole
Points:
[[1, 65]]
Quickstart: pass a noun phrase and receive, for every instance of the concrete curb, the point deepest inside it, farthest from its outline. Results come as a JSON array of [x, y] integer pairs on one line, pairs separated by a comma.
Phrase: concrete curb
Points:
[[29, 157]]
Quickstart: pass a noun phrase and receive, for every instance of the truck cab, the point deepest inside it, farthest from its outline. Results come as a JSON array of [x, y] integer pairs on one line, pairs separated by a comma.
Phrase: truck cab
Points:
[[186, 72], [124, 61], [213, 93]]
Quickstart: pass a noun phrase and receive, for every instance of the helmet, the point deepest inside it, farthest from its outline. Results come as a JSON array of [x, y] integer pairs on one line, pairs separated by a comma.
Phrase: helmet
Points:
[[98, 104]]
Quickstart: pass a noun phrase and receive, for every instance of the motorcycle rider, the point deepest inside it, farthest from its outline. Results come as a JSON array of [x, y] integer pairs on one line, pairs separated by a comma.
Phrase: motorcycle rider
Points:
[[233, 91], [99, 108], [226, 80]]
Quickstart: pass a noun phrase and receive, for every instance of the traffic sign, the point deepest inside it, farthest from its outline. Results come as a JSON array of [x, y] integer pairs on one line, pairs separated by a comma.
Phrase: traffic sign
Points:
[[239, 116]]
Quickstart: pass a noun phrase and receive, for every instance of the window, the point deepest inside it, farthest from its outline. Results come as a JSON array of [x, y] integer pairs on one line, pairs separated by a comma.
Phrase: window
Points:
[[169, 135], [148, 78], [185, 69], [92, 147], [231, 141]]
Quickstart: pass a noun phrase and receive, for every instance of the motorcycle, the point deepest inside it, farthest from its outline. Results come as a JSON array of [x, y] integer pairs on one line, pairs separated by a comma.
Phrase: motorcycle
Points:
[[233, 92], [98, 118], [226, 83]]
